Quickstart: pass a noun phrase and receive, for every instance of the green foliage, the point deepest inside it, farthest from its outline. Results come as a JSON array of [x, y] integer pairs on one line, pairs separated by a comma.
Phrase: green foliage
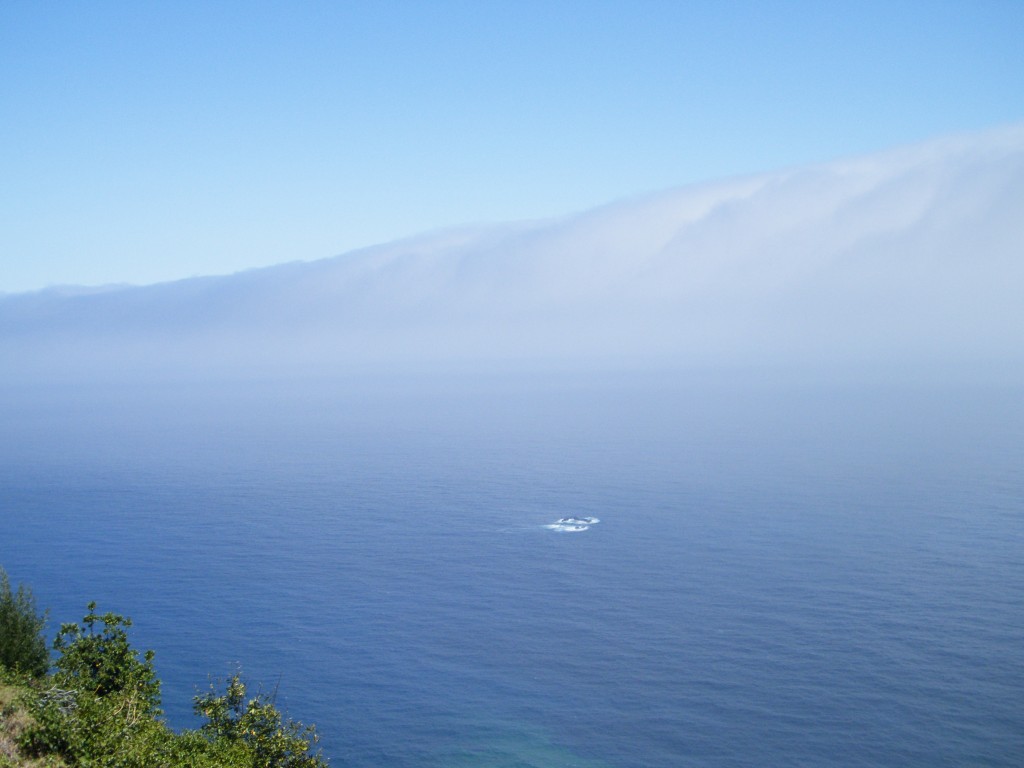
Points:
[[104, 663], [101, 709], [102, 702], [22, 645], [269, 740], [88, 730]]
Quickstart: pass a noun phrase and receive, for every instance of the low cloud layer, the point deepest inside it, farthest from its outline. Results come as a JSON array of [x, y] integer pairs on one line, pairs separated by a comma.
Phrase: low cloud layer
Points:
[[914, 255]]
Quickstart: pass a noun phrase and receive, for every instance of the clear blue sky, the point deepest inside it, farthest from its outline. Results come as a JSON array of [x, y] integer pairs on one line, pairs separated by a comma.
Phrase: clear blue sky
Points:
[[144, 141]]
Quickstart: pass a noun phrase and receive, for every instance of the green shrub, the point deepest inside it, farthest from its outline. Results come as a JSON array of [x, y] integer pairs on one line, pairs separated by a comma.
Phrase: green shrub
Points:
[[100, 706], [89, 730], [267, 737], [103, 662], [22, 645], [101, 709]]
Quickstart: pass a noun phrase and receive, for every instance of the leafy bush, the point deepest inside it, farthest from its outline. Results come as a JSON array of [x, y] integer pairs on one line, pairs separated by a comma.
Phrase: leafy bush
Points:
[[22, 645], [101, 709], [103, 662], [101, 705], [269, 740]]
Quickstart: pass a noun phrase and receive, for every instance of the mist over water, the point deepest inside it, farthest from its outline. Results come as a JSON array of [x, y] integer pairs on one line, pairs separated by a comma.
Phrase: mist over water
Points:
[[792, 401], [910, 258], [783, 573]]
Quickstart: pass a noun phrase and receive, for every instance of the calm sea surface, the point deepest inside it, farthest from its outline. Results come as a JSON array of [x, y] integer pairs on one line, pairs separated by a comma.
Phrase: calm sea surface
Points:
[[780, 576]]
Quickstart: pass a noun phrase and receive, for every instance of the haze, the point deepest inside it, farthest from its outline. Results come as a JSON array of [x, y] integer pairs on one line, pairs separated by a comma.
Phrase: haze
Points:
[[905, 258]]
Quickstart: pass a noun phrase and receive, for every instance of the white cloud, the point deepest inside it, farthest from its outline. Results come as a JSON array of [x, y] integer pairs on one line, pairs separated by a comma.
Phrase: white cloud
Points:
[[911, 255]]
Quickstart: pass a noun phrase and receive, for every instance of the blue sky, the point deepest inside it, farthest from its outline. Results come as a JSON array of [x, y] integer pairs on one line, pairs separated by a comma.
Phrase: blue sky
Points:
[[142, 142]]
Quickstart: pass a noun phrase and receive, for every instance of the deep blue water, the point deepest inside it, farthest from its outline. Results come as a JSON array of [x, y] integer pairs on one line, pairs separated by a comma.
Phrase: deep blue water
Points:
[[781, 575]]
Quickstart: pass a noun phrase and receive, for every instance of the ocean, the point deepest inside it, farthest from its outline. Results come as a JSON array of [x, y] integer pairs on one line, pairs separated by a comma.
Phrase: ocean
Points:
[[782, 574]]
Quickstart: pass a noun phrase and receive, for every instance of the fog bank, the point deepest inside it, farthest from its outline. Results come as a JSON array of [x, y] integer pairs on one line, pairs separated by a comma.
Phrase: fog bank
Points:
[[910, 258]]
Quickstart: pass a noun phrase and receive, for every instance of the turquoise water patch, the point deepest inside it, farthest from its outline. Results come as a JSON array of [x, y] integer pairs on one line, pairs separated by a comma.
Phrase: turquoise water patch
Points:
[[514, 749]]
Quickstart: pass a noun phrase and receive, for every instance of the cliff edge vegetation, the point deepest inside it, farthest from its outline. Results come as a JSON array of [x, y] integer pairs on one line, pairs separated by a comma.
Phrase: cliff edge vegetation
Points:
[[97, 705]]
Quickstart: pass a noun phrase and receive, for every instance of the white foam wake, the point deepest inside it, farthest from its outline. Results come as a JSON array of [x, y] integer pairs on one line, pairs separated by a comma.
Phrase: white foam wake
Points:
[[573, 524]]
